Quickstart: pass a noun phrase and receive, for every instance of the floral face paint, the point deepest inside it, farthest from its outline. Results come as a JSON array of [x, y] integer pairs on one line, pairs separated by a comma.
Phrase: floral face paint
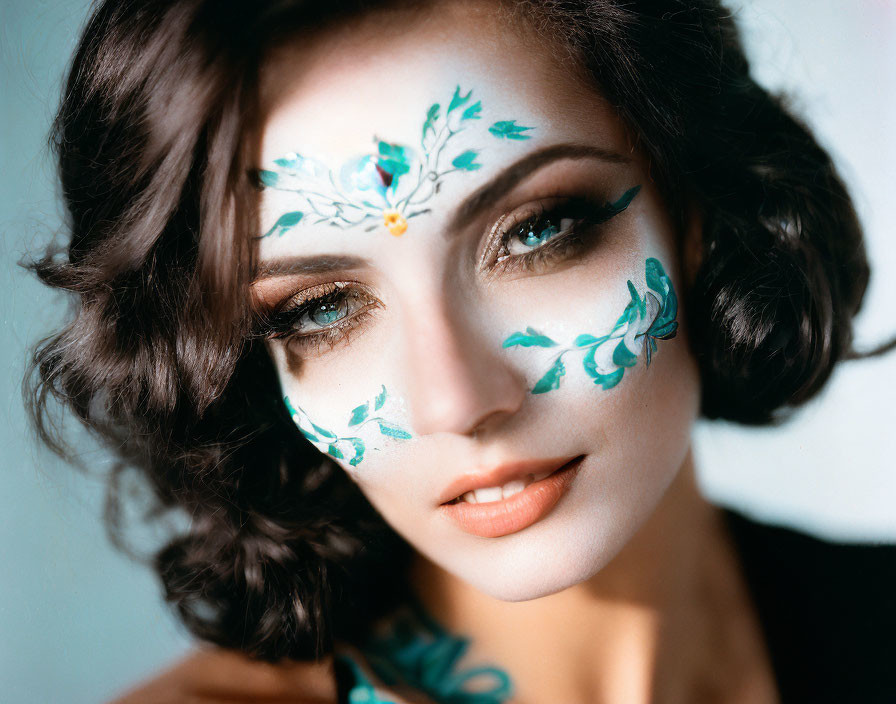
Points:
[[413, 650], [524, 230], [350, 444], [389, 186], [646, 318]]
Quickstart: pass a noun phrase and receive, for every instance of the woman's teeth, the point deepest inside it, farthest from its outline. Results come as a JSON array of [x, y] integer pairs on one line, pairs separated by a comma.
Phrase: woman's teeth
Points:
[[497, 493]]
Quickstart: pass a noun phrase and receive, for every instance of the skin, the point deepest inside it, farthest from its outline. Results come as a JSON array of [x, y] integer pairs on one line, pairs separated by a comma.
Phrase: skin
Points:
[[632, 552]]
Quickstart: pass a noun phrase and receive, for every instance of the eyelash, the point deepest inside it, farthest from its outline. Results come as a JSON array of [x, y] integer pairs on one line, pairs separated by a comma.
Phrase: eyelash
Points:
[[588, 216]]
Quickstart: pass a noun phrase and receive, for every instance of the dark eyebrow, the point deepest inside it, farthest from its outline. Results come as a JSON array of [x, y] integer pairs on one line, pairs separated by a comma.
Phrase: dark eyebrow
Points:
[[315, 264], [469, 208], [518, 171]]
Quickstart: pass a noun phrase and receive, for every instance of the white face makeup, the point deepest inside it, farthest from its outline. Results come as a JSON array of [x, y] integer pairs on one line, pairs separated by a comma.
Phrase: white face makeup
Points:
[[441, 247]]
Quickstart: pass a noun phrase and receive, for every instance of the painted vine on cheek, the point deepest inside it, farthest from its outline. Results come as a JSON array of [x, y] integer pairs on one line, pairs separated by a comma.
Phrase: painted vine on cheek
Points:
[[388, 186], [648, 318], [347, 444]]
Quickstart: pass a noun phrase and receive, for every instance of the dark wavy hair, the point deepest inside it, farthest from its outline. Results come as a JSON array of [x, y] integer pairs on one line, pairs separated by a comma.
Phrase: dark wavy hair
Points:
[[154, 137]]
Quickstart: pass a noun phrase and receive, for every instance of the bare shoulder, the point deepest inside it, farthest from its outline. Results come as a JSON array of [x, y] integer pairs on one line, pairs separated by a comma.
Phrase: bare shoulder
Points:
[[214, 675]]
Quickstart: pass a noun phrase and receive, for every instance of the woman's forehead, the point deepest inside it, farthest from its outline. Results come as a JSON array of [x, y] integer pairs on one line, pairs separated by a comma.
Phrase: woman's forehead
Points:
[[370, 106], [378, 77]]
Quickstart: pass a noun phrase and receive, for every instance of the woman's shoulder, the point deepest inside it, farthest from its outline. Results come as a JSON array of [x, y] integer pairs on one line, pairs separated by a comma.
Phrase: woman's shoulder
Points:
[[215, 675], [827, 607]]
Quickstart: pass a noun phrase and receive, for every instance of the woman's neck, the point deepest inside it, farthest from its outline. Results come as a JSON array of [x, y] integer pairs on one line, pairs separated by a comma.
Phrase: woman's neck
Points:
[[668, 620]]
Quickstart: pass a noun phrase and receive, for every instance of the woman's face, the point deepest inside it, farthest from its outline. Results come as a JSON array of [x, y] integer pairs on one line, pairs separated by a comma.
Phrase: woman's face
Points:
[[488, 264]]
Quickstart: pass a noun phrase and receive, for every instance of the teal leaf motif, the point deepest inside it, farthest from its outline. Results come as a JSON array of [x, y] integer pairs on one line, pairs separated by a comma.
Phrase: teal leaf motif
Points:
[[334, 451], [321, 431], [392, 430], [289, 407], [585, 340], [530, 338], [358, 445], [311, 437], [284, 222], [287, 162], [608, 381], [466, 161], [472, 112], [636, 299], [394, 159], [359, 414], [457, 99], [623, 356], [268, 178], [551, 380], [633, 331], [420, 654], [508, 129], [380, 400], [431, 116]]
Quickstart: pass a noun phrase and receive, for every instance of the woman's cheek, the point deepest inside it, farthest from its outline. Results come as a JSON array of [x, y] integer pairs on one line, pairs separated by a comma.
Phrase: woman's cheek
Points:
[[597, 336], [352, 422]]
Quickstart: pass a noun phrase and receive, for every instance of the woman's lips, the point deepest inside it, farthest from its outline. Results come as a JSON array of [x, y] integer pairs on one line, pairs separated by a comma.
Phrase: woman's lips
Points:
[[496, 518]]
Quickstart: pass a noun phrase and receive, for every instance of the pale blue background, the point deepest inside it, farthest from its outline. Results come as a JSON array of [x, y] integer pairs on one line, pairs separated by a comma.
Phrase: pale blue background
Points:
[[78, 622]]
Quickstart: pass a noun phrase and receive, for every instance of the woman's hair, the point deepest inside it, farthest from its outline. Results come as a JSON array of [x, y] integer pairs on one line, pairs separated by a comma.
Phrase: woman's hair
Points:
[[155, 137]]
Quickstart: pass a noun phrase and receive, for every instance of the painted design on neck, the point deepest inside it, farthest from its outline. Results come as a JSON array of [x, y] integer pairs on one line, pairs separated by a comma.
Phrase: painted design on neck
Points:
[[645, 319], [388, 186], [415, 652], [348, 444]]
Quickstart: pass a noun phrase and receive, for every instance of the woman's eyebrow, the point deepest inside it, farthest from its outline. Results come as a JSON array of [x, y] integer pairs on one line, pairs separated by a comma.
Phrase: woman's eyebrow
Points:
[[316, 264], [521, 169], [469, 208]]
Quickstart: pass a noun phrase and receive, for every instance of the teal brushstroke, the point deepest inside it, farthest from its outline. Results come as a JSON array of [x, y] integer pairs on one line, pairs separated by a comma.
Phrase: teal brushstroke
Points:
[[342, 446], [457, 99], [472, 112], [644, 320], [380, 399], [359, 414], [284, 222], [551, 380], [466, 161], [268, 179], [530, 338], [431, 116], [508, 129], [416, 652]]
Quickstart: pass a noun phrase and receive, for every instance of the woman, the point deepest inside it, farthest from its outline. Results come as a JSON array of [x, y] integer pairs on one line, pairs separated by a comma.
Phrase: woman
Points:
[[411, 309]]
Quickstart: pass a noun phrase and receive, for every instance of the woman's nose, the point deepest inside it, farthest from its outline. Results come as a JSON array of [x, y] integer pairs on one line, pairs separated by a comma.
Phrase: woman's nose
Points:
[[455, 378]]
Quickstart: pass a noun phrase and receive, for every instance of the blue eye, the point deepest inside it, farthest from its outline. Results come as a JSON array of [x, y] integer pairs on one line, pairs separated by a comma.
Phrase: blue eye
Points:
[[537, 232], [308, 315], [534, 233], [327, 312]]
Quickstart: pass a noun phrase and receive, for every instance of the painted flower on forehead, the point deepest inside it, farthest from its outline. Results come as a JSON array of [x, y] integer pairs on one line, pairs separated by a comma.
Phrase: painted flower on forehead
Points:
[[394, 221], [392, 184]]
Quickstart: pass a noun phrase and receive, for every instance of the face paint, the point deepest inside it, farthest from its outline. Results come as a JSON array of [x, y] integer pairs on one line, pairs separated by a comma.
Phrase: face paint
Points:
[[650, 318], [389, 186], [415, 651], [351, 444]]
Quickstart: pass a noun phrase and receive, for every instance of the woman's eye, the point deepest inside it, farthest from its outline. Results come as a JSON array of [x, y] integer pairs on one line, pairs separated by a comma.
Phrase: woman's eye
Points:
[[554, 230], [325, 312], [314, 321], [534, 233]]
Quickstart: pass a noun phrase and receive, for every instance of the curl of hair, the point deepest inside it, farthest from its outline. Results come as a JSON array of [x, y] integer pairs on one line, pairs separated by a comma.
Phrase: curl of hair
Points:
[[154, 136]]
